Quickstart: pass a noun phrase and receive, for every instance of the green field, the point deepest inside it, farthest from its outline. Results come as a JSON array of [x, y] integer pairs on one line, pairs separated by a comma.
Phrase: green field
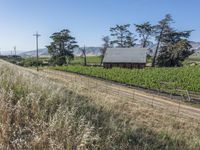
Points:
[[90, 60], [194, 58], [164, 79]]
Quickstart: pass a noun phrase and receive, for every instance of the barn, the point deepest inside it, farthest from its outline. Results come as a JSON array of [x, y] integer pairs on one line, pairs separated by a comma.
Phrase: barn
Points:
[[125, 58]]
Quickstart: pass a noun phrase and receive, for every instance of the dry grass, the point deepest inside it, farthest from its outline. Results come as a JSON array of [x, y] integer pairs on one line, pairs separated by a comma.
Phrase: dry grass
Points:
[[37, 112]]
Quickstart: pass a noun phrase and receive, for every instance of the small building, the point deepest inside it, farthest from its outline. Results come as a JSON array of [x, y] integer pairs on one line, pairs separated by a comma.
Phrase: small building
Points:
[[125, 58]]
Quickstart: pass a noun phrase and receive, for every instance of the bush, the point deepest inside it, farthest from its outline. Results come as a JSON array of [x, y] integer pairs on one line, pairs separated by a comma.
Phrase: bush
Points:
[[57, 60], [31, 62]]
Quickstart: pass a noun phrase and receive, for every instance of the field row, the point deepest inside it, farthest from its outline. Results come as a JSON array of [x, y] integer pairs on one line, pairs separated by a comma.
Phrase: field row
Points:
[[163, 79]]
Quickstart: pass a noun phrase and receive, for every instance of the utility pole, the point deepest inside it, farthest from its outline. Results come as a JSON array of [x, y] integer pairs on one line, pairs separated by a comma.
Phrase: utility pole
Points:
[[15, 52], [37, 36]]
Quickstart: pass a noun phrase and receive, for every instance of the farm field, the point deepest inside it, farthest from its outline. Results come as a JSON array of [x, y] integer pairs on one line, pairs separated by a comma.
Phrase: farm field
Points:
[[162, 79], [194, 58], [90, 60], [51, 113]]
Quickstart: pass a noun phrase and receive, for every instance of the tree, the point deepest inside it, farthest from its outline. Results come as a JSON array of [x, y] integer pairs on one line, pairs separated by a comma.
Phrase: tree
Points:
[[145, 32], [83, 50], [160, 29], [62, 47], [175, 48], [122, 37], [106, 44]]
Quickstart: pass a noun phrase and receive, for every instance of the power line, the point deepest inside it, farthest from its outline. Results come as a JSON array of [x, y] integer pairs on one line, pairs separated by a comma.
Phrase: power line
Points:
[[37, 36]]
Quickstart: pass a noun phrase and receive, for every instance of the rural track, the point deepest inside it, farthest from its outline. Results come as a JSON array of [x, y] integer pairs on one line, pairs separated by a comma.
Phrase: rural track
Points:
[[176, 108]]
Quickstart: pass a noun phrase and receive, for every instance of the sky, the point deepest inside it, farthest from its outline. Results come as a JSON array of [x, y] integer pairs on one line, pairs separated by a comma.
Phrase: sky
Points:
[[88, 20]]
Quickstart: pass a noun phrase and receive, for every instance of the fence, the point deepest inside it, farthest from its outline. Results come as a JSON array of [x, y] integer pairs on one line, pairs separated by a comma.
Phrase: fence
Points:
[[177, 108]]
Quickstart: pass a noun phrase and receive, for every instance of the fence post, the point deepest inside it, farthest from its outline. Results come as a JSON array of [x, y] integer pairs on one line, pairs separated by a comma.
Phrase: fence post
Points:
[[133, 94], [179, 106], [170, 95], [74, 83], [81, 80], [189, 98], [74, 78], [88, 83], [107, 88], [152, 101]]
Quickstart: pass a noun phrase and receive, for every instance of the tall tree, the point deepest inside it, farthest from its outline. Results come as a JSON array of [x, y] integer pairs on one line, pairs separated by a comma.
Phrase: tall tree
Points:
[[106, 44], [62, 47], [174, 49], [160, 29], [122, 37], [145, 32]]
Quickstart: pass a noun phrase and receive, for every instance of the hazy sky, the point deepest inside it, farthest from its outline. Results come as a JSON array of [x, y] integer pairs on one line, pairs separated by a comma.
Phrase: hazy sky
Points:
[[88, 20]]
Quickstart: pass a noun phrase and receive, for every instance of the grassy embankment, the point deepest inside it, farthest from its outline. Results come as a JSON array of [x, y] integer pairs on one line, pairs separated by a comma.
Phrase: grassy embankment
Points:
[[37, 112]]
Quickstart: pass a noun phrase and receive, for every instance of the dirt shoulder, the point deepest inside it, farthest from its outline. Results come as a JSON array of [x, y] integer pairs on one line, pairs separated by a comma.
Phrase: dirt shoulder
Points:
[[158, 101]]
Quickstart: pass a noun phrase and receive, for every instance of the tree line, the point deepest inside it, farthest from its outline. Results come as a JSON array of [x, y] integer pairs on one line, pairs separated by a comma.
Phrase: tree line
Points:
[[172, 46]]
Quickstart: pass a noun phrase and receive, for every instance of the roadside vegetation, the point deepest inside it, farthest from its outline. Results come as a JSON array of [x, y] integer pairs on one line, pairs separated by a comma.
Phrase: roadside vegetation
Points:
[[27, 61], [12, 59], [37, 112]]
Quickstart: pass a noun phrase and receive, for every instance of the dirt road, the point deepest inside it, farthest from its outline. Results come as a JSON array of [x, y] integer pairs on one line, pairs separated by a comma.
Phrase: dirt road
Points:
[[176, 108]]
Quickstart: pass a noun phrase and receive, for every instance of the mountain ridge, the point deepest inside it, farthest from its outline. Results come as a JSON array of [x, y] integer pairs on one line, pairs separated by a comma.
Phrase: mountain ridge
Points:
[[95, 51]]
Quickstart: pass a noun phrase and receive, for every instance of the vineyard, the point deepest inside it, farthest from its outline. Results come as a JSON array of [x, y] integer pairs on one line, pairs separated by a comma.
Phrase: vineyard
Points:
[[162, 79]]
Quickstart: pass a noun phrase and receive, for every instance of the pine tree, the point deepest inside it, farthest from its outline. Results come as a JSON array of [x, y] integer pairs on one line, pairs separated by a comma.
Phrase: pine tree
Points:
[[145, 32], [160, 29], [121, 36], [62, 47], [106, 44], [175, 48]]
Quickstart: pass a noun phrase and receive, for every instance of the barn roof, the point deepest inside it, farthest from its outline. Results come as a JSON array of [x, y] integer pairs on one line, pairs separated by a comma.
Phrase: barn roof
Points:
[[125, 55]]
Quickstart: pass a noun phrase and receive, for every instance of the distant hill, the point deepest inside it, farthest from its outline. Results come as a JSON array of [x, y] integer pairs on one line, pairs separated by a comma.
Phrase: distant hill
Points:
[[95, 51], [91, 51], [41, 52], [196, 47]]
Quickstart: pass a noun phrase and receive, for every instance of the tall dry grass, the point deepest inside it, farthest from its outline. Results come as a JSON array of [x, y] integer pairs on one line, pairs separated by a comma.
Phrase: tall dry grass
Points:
[[37, 112]]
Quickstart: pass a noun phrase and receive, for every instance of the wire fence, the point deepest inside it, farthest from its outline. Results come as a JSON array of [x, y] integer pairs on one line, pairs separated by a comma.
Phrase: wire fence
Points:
[[177, 108]]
